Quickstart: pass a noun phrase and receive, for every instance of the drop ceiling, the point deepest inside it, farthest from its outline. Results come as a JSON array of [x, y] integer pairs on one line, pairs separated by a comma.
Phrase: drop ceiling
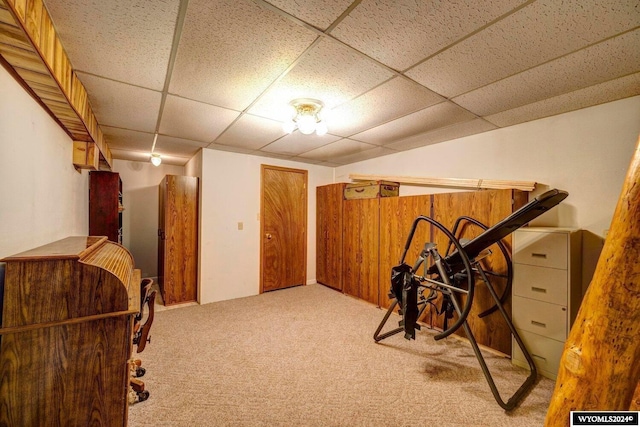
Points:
[[393, 75]]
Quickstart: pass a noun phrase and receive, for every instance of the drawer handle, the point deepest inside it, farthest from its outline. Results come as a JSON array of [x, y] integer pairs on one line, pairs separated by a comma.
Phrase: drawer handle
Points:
[[540, 324], [537, 255], [359, 190], [539, 357], [541, 290]]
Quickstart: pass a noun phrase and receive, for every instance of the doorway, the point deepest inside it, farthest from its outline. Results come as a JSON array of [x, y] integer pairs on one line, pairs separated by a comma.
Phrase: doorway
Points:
[[283, 226]]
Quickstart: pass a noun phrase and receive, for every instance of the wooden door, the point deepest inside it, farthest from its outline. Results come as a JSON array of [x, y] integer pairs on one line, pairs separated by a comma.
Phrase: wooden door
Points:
[[283, 240], [361, 220], [329, 200]]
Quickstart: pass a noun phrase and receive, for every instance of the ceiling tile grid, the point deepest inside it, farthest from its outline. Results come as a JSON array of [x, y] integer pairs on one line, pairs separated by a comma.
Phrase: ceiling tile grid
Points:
[[251, 132], [320, 14], [122, 105], [296, 143], [393, 74], [330, 72], [430, 118], [119, 39], [516, 43], [611, 90], [231, 51], [447, 133], [391, 100], [403, 32], [194, 120], [612, 58]]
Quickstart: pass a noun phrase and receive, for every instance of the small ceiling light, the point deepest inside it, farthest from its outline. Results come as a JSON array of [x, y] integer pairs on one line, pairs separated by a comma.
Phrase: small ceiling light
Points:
[[306, 117], [156, 159]]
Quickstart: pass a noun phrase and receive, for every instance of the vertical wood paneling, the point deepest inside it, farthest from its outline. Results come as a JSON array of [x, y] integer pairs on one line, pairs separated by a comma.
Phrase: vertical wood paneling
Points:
[[329, 235], [103, 204], [179, 250], [396, 217], [488, 207], [360, 253]]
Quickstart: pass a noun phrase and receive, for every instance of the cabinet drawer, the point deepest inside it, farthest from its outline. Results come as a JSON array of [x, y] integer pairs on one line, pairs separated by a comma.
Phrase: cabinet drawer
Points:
[[541, 283], [541, 248], [549, 320], [546, 353]]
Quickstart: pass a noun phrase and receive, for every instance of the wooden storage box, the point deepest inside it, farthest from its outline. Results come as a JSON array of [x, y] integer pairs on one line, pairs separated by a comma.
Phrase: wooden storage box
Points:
[[371, 190]]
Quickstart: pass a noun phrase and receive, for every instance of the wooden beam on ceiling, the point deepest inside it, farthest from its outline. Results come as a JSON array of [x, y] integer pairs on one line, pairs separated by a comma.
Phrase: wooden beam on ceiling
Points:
[[30, 46]]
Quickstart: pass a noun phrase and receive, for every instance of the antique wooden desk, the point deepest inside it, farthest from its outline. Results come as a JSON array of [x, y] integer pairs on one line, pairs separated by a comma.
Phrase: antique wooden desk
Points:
[[66, 334]]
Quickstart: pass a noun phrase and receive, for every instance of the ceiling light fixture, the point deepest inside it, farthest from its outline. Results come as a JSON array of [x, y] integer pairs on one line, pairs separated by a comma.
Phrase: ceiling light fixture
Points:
[[306, 117], [155, 157]]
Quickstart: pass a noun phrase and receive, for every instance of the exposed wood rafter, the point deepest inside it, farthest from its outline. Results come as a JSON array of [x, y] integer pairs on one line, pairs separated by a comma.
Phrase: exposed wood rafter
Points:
[[30, 46]]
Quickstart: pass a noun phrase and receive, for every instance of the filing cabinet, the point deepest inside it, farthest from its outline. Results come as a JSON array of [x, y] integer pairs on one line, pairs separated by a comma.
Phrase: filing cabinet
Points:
[[547, 291]]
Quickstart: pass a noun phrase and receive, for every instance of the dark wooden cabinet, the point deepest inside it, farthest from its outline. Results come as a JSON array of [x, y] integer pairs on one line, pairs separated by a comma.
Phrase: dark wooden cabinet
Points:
[[178, 239], [329, 235], [105, 205], [361, 222]]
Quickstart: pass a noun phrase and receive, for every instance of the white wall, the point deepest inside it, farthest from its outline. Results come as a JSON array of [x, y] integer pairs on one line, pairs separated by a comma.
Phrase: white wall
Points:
[[230, 193], [585, 152], [140, 189], [42, 197]]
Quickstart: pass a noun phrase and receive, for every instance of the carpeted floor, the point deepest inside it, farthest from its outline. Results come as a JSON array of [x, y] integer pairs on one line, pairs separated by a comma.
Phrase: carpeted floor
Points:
[[305, 356]]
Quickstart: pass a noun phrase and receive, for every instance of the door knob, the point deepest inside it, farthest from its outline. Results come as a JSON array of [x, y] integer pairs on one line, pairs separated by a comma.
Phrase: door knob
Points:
[[268, 236]]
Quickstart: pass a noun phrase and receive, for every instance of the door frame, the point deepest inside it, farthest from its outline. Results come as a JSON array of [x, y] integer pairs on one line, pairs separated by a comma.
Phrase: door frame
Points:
[[305, 173]]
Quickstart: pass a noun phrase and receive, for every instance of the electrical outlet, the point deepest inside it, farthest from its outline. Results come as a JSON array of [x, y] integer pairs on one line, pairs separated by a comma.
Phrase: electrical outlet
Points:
[[240, 226]]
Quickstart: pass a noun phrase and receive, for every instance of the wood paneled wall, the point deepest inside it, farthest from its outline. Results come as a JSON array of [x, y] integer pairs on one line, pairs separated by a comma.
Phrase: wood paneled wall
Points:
[[375, 232], [488, 207]]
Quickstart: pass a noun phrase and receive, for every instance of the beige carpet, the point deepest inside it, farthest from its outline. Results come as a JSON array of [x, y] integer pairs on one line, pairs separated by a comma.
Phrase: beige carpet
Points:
[[305, 356]]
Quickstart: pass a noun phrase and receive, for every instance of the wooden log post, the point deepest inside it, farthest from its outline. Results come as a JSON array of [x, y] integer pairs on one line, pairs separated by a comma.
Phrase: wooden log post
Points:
[[600, 365]]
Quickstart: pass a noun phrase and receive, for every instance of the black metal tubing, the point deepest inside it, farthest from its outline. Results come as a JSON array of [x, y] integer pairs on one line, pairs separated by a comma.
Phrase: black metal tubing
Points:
[[377, 337], [505, 254], [448, 276]]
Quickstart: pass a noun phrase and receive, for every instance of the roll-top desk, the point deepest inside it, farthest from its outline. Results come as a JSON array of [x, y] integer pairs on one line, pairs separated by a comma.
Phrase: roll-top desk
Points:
[[66, 335]]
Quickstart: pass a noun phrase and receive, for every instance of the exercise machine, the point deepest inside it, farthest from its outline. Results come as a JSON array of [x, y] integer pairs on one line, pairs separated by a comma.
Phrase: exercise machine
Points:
[[453, 274]]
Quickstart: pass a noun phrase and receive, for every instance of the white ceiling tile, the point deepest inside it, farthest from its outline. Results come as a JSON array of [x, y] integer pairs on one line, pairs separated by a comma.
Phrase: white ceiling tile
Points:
[[298, 143], [119, 39], [399, 33], [517, 43], [610, 59], [230, 148], [128, 139], [170, 146], [320, 14], [454, 131], [251, 132], [137, 156], [232, 50], [364, 155], [339, 148], [122, 105], [395, 98], [592, 95], [430, 118], [189, 119], [329, 72]]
